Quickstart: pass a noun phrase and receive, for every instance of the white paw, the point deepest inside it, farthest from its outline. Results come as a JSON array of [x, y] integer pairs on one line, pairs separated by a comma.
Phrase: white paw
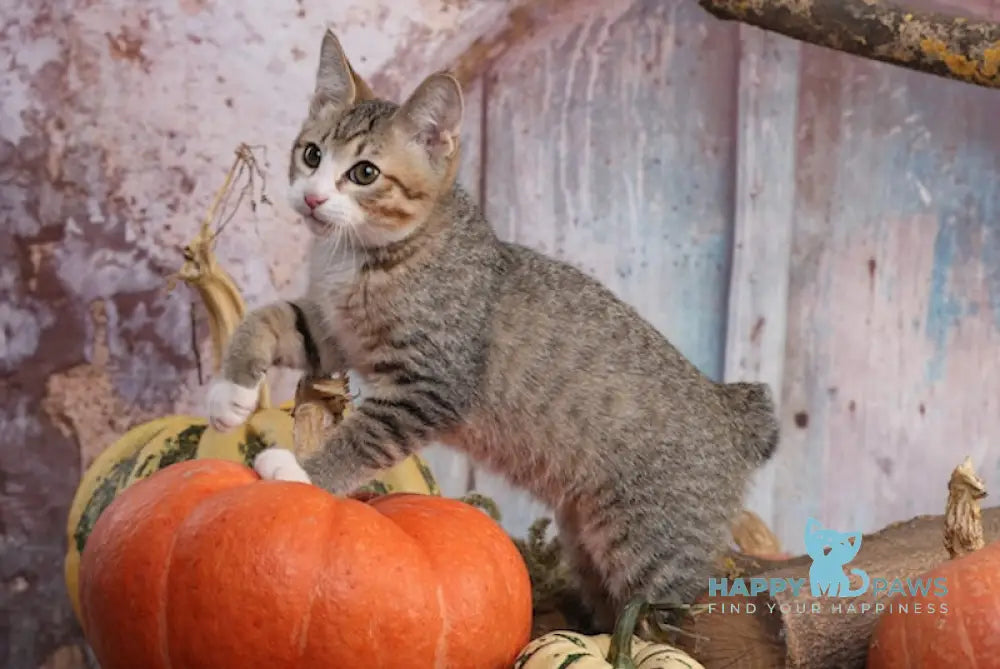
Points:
[[279, 464], [229, 404]]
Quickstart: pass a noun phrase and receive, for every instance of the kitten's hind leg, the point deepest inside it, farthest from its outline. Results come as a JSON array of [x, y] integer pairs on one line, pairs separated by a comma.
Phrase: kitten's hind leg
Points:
[[664, 553], [669, 579], [599, 616]]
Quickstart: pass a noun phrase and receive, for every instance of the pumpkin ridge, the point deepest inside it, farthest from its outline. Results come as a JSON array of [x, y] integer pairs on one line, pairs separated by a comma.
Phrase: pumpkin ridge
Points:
[[313, 592], [164, 636], [495, 567], [168, 572], [905, 646], [441, 649], [307, 623], [966, 642]]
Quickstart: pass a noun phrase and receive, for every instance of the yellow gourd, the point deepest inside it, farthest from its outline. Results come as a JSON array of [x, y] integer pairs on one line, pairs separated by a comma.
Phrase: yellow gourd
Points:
[[621, 650]]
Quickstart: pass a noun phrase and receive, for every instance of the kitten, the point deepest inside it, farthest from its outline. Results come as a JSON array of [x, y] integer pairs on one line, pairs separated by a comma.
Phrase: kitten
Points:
[[526, 364]]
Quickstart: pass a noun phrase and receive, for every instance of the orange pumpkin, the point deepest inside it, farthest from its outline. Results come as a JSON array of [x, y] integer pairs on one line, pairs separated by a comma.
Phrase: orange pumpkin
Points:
[[203, 565], [959, 627], [964, 634]]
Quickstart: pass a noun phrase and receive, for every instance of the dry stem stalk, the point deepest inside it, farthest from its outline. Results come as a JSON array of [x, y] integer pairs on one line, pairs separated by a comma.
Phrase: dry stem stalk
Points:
[[320, 404], [201, 271], [963, 518]]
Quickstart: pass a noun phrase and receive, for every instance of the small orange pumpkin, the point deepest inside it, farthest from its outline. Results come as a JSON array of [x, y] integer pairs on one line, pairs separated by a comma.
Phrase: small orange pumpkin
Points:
[[960, 628], [203, 565], [965, 634]]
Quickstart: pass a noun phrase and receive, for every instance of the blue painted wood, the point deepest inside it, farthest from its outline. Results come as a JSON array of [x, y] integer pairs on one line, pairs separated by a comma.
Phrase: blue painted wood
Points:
[[892, 374]]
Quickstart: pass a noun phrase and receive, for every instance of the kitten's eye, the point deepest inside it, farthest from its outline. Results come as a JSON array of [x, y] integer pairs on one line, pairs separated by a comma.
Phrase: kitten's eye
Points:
[[363, 173], [311, 155]]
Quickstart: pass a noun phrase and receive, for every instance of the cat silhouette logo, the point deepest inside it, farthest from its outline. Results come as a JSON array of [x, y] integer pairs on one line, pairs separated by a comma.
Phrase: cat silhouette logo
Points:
[[830, 551]]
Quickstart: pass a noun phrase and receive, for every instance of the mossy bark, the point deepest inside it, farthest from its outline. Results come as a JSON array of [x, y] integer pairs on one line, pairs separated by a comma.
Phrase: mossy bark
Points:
[[946, 45]]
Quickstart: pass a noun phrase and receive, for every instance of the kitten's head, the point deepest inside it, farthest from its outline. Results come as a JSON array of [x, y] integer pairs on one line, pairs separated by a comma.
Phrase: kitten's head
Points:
[[368, 167]]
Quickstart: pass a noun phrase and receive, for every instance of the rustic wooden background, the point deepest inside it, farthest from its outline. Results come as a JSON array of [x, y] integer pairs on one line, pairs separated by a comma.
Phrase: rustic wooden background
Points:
[[780, 212]]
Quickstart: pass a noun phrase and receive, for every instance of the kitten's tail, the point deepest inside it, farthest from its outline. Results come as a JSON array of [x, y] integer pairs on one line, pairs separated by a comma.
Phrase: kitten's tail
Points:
[[755, 409]]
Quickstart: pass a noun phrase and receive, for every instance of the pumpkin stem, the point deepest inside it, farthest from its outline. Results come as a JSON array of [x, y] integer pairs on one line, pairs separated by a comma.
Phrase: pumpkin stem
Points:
[[320, 403], [201, 271], [963, 518], [620, 652]]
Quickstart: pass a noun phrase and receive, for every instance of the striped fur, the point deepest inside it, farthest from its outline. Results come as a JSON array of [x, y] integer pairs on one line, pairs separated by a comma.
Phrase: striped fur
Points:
[[531, 367]]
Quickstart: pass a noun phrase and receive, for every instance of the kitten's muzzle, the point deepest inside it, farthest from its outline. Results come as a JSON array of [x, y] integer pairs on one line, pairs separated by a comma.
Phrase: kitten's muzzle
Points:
[[313, 201]]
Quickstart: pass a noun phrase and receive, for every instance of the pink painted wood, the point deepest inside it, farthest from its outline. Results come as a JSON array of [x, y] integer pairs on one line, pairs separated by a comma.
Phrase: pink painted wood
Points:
[[892, 374]]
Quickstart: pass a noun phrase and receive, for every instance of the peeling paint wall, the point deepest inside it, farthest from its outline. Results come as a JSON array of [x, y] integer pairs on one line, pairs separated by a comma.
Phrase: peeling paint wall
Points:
[[608, 134], [118, 121]]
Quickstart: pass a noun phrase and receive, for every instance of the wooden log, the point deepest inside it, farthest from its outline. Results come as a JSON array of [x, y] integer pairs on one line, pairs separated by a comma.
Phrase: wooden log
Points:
[[785, 630], [942, 44]]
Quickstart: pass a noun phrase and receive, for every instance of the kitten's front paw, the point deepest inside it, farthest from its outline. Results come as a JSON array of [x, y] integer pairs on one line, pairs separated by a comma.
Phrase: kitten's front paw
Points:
[[230, 404], [279, 464]]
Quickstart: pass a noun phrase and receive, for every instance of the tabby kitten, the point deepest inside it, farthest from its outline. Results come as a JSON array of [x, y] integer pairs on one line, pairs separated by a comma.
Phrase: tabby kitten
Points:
[[532, 368]]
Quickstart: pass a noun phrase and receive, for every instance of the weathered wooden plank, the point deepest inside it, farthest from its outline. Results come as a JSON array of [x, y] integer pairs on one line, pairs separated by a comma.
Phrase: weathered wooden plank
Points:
[[762, 225], [98, 204], [610, 144], [891, 375]]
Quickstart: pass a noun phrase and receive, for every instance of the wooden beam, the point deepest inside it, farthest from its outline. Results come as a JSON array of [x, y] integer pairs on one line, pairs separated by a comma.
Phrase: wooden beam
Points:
[[946, 45], [796, 629]]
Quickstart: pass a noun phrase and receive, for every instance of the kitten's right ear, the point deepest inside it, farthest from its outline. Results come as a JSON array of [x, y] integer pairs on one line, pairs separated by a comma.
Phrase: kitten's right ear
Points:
[[432, 115], [337, 85]]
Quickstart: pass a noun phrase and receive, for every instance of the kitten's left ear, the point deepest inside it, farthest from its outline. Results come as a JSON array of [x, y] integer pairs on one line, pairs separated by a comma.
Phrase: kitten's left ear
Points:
[[337, 84], [432, 115]]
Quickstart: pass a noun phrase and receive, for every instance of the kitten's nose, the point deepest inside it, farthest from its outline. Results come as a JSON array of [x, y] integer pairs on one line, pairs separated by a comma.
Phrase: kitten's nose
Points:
[[313, 201]]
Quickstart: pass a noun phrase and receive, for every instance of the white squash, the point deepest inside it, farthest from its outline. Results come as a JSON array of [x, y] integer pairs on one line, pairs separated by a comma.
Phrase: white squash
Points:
[[621, 650]]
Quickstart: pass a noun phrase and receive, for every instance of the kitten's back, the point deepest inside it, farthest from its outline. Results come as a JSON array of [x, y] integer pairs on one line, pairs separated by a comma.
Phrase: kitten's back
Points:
[[566, 342]]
